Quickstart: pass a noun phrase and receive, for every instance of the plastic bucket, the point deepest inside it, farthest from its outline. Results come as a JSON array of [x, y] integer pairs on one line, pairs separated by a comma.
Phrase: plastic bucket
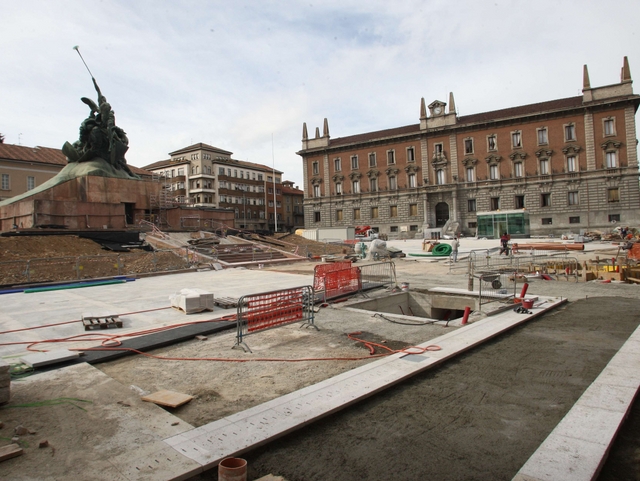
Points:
[[404, 286], [527, 303], [232, 469]]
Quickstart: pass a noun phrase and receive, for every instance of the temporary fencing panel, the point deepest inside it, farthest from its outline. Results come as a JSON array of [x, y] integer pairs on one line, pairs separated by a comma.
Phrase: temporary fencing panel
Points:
[[378, 275], [341, 282], [14, 272], [266, 310], [320, 272], [496, 286]]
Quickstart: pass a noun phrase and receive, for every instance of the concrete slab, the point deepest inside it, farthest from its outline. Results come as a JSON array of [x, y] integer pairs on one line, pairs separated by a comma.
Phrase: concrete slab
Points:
[[40, 359]]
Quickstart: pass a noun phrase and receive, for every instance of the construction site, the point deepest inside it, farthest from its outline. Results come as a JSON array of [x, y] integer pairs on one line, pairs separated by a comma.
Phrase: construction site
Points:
[[312, 361]]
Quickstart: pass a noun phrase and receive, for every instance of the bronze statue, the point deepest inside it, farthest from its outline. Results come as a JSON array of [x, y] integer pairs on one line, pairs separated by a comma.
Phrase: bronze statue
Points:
[[99, 136]]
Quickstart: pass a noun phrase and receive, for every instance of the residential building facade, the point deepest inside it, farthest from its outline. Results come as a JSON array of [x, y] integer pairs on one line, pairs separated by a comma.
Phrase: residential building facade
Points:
[[293, 202], [23, 168], [207, 176], [570, 163]]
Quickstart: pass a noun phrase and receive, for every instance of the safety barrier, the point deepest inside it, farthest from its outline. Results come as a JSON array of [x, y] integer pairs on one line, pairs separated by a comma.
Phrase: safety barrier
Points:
[[320, 270], [380, 274], [341, 282], [14, 272], [267, 310]]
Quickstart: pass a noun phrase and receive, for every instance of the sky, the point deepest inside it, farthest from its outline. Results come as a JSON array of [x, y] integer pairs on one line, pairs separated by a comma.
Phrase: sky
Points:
[[243, 76]]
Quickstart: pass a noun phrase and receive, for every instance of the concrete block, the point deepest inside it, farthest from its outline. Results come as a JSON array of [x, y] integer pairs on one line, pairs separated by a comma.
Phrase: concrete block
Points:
[[192, 300], [4, 367], [52, 357]]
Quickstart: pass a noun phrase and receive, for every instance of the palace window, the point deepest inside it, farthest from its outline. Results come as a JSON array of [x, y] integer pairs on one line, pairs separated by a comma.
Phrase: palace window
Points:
[[492, 143], [614, 218], [574, 220], [611, 160], [412, 181], [354, 162], [393, 183], [393, 211], [355, 186], [544, 167], [316, 191], [374, 212], [339, 215], [5, 182], [545, 200], [547, 221], [468, 146], [495, 203], [337, 164], [438, 149], [569, 132], [516, 139], [372, 159], [31, 182], [316, 168], [613, 195], [339, 188], [519, 201], [471, 205], [411, 154], [571, 163], [391, 157], [573, 198], [542, 136], [609, 127], [356, 213], [316, 216], [470, 174], [518, 169], [373, 184], [493, 172], [413, 209], [440, 180]]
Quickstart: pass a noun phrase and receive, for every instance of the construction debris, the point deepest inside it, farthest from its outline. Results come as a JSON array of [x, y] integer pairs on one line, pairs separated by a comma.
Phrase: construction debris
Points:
[[168, 398], [10, 451]]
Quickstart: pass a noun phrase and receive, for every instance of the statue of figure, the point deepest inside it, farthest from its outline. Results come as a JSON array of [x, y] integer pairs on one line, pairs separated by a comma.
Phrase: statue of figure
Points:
[[99, 136]]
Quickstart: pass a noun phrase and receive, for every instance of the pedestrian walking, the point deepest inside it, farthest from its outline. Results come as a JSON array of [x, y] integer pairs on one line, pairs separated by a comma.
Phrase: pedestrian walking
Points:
[[454, 249]]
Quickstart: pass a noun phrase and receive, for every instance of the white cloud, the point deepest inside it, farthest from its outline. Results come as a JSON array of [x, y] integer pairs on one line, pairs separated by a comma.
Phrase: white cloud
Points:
[[234, 74]]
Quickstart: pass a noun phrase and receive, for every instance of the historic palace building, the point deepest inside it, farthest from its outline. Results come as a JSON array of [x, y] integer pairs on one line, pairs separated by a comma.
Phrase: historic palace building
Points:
[[566, 165]]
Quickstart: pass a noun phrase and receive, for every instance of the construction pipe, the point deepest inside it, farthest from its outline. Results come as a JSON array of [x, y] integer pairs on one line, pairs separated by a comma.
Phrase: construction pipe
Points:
[[525, 286], [465, 317], [232, 469], [548, 247]]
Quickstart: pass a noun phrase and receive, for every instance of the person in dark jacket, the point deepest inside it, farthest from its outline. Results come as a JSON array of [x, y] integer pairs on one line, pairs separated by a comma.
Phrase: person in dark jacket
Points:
[[504, 242]]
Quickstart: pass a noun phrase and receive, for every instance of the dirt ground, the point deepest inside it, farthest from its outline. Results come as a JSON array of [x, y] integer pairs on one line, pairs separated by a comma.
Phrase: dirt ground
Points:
[[68, 258], [477, 417]]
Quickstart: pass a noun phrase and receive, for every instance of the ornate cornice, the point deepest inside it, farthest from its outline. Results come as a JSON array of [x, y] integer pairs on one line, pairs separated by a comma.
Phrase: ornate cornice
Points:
[[355, 175], [493, 159], [439, 159], [517, 156], [392, 171], [610, 144], [338, 178], [571, 149], [411, 169], [544, 153], [373, 173], [316, 181], [468, 162]]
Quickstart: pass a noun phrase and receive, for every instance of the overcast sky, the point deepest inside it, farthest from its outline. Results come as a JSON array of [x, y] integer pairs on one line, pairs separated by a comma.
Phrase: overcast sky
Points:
[[237, 74]]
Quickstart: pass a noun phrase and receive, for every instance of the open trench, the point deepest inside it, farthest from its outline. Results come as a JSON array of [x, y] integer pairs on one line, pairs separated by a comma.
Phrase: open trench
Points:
[[479, 416]]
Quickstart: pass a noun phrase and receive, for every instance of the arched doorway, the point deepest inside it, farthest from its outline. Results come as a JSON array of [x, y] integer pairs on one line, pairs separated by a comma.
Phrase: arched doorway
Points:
[[442, 214]]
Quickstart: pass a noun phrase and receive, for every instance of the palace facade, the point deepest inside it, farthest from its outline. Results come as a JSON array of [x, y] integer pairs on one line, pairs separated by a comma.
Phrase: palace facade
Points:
[[569, 165]]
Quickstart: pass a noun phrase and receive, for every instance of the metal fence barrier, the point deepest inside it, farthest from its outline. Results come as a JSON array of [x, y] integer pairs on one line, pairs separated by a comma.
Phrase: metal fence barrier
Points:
[[267, 310], [320, 271], [496, 286], [380, 274], [341, 282]]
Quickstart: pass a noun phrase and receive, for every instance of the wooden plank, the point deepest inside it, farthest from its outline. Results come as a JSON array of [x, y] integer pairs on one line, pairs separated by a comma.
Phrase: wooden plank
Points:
[[168, 398], [10, 451]]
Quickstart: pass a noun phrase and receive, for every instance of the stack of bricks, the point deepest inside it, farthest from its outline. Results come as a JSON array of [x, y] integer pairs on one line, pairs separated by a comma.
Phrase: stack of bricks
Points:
[[5, 382]]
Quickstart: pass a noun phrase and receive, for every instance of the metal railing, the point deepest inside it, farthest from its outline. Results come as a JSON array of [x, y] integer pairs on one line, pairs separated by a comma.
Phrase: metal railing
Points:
[[380, 274], [496, 286], [268, 310]]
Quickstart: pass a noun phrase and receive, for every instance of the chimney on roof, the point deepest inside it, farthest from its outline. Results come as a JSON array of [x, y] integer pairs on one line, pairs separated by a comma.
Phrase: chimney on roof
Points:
[[586, 84], [452, 104], [317, 132], [625, 75], [325, 128], [305, 135]]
